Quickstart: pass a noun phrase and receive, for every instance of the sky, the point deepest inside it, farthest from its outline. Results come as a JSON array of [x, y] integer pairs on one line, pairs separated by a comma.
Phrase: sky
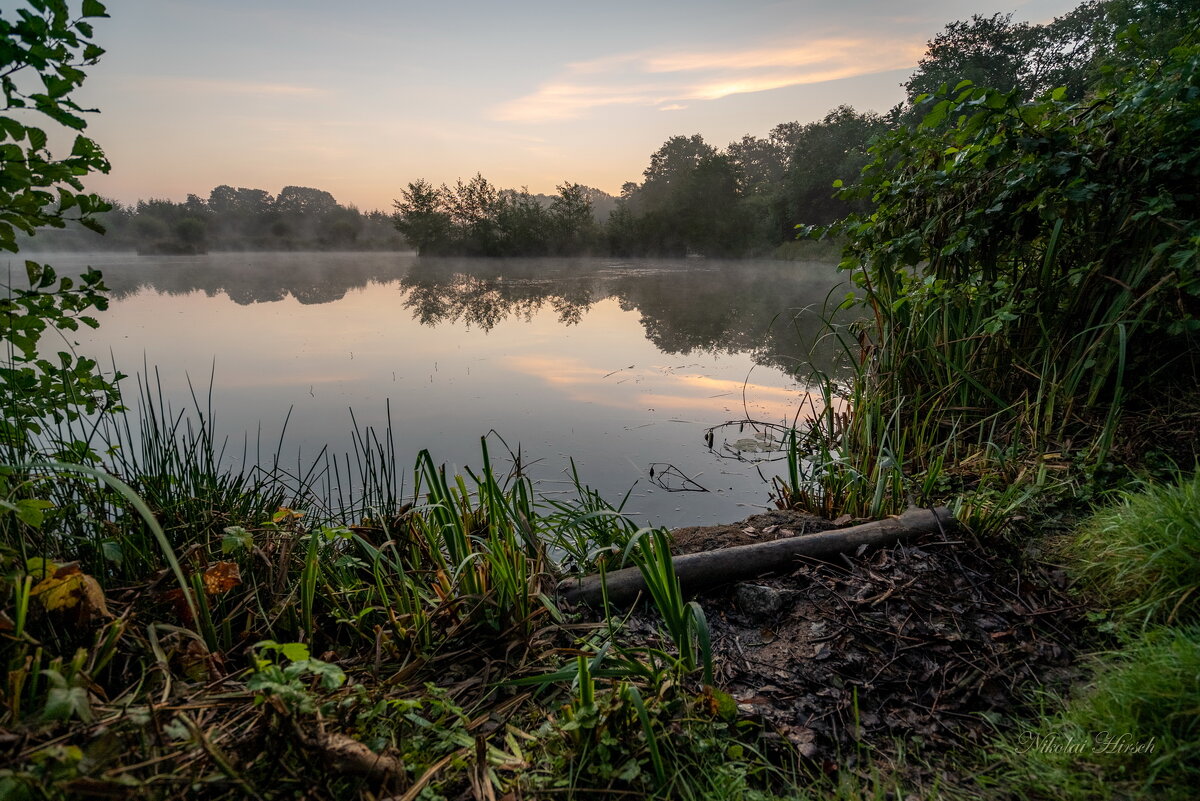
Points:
[[360, 98]]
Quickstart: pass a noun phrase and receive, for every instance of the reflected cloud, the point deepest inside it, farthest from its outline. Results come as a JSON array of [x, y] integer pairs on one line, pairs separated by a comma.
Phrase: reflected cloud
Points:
[[666, 81], [708, 384], [556, 371], [664, 392]]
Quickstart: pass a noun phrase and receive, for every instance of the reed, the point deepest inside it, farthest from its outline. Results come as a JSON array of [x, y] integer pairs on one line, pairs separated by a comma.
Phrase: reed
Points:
[[685, 622]]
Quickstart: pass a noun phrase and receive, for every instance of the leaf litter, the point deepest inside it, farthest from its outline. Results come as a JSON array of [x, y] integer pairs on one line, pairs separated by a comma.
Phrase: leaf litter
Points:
[[933, 643]]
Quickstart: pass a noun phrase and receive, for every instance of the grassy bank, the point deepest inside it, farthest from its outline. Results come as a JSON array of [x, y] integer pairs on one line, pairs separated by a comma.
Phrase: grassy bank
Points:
[[1132, 730], [199, 633]]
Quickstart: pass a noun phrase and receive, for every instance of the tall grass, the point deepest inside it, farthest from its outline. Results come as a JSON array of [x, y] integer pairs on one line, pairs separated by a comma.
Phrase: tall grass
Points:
[[407, 596], [1141, 556], [685, 622]]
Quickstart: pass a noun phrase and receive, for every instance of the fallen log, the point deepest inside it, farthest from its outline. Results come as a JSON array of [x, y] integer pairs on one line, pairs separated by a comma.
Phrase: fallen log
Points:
[[700, 571]]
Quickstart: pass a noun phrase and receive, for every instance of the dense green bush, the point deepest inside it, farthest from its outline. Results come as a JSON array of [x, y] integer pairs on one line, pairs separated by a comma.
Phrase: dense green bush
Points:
[[1032, 268]]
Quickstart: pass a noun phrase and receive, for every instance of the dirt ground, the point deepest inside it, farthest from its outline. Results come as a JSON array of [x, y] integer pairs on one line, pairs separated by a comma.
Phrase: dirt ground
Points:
[[936, 643]]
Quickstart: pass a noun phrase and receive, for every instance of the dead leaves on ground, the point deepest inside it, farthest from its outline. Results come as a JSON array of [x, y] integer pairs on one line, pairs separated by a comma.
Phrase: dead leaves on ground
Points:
[[217, 579], [934, 641], [65, 589]]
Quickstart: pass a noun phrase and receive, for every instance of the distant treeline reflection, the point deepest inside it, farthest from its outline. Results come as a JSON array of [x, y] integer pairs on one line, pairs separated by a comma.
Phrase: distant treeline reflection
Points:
[[770, 309]]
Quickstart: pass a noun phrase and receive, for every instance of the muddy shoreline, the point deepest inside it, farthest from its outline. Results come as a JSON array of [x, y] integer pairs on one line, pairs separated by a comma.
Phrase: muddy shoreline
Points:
[[933, 646]]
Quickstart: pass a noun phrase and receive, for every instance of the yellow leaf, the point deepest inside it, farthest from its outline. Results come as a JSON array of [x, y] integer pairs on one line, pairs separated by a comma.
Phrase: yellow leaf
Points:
[[71, 588], [285, 513]]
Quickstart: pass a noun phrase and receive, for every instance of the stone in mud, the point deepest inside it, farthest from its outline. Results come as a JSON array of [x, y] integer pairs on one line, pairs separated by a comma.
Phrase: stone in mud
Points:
[[758, 601]]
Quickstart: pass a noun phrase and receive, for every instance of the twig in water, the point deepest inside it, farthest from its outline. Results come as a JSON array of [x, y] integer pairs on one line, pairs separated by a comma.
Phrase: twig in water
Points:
[[661, 473]]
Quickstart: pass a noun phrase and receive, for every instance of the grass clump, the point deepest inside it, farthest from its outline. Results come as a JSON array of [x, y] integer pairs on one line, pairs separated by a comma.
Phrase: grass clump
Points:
[[1133, 731], [1142, 556]]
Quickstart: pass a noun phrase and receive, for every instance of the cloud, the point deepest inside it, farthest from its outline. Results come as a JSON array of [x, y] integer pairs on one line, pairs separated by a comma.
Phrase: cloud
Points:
[[668, 81]]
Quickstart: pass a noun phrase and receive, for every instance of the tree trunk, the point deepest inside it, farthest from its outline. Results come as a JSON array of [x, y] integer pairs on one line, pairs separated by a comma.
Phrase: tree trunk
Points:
[[701, 571]]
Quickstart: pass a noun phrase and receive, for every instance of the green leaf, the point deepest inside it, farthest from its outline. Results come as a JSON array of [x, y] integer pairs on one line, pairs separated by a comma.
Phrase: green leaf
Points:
[[111, 550], [236, 539], [64, 701], [295, 651], [94, 8], [331, 675], [31, 511]]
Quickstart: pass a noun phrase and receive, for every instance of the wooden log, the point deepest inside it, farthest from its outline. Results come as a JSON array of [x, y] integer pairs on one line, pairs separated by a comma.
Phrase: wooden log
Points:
[[701, 571]]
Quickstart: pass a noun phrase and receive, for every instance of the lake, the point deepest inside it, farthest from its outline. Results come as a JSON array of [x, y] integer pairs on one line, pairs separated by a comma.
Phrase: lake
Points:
[[622, 365]]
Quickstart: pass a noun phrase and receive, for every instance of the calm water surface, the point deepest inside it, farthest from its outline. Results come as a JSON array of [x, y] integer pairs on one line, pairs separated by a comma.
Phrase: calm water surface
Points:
[[618, 364]]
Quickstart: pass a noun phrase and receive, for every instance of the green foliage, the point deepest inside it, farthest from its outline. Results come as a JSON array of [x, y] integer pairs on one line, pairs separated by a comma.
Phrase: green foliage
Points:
[[1029, 269], [408, 609], [300, 218], [34, 388], [589, 531], [685, 622], [1028, 59], [45, 45], [1141, 556], [689, 202], [477, 219], [420, 216], [66, 699], [573, 220], [42, 53], [291, 682], [694, 199], [1133, 732], [823, 154]]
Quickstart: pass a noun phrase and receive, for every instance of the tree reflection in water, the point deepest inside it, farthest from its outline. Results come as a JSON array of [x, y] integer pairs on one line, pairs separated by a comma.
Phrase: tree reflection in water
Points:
[[768, 309]]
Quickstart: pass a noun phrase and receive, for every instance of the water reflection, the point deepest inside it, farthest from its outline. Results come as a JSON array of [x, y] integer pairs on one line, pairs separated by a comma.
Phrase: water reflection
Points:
[[251, 278], [617, 364], [763, 308]]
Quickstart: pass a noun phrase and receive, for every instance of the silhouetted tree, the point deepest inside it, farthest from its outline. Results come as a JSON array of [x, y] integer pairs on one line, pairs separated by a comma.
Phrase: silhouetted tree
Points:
[[423, 218]]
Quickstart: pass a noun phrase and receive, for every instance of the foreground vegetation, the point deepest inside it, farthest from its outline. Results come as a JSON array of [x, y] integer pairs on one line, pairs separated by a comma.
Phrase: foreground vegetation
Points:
[[1133, 731], [412, 647], [169, 628]]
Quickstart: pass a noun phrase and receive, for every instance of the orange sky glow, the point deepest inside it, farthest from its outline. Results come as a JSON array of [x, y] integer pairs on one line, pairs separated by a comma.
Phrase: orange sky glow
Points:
[[363, 99]]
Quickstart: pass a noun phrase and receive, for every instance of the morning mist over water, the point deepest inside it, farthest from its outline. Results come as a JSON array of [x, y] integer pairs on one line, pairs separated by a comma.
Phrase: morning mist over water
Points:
[[618, 364]]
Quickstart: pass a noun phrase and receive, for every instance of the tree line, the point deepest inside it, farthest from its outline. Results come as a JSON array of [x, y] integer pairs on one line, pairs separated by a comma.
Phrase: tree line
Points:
[[747, 199], [474, 218], [750, 197], [298, 218]]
